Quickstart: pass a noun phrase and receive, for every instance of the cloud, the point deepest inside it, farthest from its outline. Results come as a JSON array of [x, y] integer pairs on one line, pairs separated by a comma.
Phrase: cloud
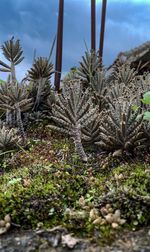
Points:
[[35, 24]]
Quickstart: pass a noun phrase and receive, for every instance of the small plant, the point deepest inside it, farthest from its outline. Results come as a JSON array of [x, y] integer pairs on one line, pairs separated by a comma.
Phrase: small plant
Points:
[[146, 100], [71, 75], [72, 112], [13, 53], [100, 89], [91, 133], [40, 75], [124, 74], [8, 139], [121, 130], [88, 67], [14, 100]]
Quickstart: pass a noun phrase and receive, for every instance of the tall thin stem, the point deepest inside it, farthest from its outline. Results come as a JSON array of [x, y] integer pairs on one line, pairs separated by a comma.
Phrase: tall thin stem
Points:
[[93, 25], [103, 17], [59, 46]]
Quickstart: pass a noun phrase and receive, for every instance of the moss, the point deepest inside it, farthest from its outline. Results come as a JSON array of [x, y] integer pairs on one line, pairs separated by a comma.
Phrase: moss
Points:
[[130, 193], [48, 178]]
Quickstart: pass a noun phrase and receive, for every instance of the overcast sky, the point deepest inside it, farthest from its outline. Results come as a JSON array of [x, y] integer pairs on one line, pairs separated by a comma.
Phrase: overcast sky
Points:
[[34, 22]]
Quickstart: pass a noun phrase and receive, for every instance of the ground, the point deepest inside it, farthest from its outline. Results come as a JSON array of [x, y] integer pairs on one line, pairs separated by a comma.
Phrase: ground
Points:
[[45, 185]]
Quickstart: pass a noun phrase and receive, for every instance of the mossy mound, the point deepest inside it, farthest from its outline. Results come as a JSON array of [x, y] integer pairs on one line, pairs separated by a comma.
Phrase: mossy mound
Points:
[[48, 181]]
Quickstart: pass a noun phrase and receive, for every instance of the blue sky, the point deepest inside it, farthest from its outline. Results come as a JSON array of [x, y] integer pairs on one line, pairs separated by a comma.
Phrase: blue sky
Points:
[[34, 22]]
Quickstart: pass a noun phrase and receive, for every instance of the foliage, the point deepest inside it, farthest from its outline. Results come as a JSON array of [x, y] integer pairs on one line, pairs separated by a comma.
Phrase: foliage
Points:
[[72, 112], [46, 181], [120, 130], [128, 190], [2, 81], [71, 75], [8, 139], [40, 75], [146, 100], [124, 74], [41, 69], [14, 100], [91, 133], [13, 53], [100, 88], [88, 67], [18, 98]]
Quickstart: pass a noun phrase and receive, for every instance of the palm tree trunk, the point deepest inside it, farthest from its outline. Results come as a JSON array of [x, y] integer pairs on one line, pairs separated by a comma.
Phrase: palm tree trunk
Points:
[[59, 46]]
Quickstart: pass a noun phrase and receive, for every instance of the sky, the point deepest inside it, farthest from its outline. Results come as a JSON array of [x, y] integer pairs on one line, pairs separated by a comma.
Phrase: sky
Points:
[[34, 22]]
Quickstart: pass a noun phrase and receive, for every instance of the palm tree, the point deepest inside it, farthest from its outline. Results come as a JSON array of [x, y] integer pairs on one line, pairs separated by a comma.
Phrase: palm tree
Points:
[[93, 26], [58, 64]]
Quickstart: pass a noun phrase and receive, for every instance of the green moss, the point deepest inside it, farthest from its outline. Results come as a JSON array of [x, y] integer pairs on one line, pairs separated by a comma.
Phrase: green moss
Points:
[[130, 193], [42, 192]]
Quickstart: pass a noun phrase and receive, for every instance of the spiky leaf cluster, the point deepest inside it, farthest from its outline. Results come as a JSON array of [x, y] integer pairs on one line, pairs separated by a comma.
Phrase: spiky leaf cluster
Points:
[[142, 85], [124, 74], [121, 129], [72, 112], [12, 95], [119, 91], [146, 129], [40, 75], [13, 103], [35, 117], [89, 66], [12, 52], [99, 87], [8, 139], [138, 89], [39, 92], [41, 69], [73, 107], [46, 106], [91, 133]]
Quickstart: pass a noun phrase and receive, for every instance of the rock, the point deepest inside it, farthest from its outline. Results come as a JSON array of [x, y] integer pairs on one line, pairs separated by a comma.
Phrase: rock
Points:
[[104, 211], [69, 241], [97, 221], [3, 230], [27, 241], [7, 218], [116, 216], [122, 221], [109, 218], [82, 201], [108, 206], [117, 153], [110, 210], [2, 223], [31, 249], [44, 247], [115, 225], [93, 214]]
